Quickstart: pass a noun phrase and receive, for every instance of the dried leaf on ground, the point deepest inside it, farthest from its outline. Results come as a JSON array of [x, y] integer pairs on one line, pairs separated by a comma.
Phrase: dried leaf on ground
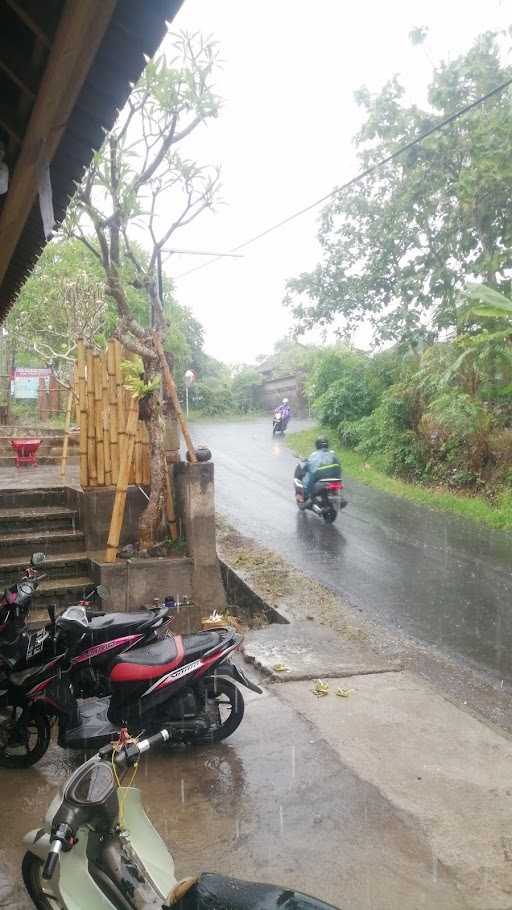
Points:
[[320, 688]]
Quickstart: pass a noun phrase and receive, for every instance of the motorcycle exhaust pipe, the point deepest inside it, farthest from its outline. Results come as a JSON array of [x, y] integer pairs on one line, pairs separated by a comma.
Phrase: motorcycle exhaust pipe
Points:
[[317, 509]]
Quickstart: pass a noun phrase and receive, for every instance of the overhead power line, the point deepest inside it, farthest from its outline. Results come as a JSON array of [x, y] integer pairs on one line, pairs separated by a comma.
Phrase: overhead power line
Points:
[[358, 177]]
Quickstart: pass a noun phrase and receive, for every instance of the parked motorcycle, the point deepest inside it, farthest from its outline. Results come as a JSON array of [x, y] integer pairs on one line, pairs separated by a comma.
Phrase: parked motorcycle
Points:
[[325, 499], [98, 849], [107, 635], [184, 681], [16, 601]]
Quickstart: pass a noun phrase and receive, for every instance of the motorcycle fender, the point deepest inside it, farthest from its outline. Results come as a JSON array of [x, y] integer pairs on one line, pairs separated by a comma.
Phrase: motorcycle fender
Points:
[[38, 842], [228, 669]]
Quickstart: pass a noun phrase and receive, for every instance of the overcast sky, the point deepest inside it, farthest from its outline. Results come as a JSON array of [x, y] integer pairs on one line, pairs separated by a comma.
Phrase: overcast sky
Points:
[[284, 137]]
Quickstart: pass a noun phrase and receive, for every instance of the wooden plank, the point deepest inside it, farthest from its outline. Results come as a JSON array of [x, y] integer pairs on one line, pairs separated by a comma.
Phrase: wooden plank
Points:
[[81, 28], [116, 522]]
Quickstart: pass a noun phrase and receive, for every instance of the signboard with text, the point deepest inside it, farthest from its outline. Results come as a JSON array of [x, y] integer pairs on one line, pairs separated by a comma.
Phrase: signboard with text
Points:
[[25, 381]]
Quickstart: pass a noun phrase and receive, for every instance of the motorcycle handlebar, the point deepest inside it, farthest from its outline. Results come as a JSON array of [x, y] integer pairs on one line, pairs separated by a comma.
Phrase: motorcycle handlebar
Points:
[[52, 859]]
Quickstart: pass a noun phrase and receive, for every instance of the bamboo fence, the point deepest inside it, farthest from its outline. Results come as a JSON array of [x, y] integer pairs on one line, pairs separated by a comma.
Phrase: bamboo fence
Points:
[[104, 406]]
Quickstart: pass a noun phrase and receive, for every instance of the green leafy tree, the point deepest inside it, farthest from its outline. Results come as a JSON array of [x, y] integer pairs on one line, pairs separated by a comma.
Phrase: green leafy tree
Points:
[[399, 247], [138, 192]]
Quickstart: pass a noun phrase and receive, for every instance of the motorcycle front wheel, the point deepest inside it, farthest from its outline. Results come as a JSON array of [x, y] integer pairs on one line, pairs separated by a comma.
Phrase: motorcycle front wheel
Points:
[[24, 738], [225, 707], [31, 870]]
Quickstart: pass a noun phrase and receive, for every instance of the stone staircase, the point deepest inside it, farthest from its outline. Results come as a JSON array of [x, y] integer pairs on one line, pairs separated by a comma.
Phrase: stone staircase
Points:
[[43, 520], [50, 450]]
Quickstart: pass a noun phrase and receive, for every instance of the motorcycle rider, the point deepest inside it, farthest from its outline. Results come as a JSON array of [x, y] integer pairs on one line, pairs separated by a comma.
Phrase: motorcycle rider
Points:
[[322, 463], [284, 410]]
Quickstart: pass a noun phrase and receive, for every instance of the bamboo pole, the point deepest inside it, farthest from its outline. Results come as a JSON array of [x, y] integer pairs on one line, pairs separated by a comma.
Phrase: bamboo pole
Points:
[[105, 407], [116, 522], [138, 454], [170, 514], [113, 412], [82, 391], [98, 419], [170, 388], [76, 398], [91, 432], [146, 470], [121, 416], [67, 422]]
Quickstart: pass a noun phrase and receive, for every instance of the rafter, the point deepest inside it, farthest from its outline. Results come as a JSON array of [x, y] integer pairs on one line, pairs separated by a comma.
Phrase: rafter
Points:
[[31, 13], [81, 29], [16, 69]]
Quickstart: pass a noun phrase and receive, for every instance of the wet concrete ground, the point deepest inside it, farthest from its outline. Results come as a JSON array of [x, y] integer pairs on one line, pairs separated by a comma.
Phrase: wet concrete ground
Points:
[[441, 579], [272, 803]]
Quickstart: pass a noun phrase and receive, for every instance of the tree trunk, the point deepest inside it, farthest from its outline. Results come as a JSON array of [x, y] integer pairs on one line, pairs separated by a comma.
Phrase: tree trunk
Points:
[[150, 518]]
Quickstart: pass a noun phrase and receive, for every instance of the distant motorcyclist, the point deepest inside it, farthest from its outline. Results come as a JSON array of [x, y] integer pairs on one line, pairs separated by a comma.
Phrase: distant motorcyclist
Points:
[[284, 410], [321, 464]]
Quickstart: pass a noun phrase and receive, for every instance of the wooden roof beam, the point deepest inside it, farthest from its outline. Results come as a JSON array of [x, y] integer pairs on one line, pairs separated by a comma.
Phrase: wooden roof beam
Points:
[[79, 34], [9, 124], [16, 70], [31, 13]]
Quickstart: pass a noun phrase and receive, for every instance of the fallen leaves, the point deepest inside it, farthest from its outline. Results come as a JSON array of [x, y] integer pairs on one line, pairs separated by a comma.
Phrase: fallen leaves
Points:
[[281, 668], [320, 689]]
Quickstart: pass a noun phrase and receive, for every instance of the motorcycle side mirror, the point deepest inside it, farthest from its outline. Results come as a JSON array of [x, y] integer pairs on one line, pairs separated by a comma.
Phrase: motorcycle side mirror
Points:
[[38, 559], [102, 591]]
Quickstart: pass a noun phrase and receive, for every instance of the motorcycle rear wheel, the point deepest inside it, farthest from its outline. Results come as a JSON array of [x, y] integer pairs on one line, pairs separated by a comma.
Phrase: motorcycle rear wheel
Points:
[[31, 871], [35, 725], [330, 516], [222, 694]]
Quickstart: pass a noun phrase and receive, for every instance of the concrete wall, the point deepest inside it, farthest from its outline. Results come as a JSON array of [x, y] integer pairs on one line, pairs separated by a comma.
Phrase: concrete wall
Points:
[[136, 582], [195, 506]]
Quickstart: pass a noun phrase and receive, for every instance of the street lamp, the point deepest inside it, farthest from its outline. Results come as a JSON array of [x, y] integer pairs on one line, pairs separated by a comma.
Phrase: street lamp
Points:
[[189, 379]]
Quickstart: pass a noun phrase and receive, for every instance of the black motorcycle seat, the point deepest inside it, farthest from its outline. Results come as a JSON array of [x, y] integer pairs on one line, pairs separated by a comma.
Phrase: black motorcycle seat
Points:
[[124, 620], [156, 654], [216, 892], [200, 642]]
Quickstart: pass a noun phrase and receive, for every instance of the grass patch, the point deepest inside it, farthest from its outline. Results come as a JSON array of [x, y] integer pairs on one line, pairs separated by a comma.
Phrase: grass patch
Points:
[[475, 508]]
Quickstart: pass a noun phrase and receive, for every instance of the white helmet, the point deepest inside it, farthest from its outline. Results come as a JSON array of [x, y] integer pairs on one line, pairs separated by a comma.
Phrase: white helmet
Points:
[[285, 401]]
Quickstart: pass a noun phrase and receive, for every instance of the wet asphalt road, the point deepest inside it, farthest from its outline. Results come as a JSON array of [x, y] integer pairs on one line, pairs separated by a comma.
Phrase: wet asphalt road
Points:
[[440, 579]]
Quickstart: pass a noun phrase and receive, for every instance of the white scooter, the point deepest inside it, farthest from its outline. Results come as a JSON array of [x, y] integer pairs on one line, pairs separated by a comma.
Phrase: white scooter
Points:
[[97, 850]]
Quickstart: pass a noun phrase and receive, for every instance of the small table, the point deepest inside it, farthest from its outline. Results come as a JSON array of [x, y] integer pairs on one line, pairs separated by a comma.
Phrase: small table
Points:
[[26, 451]]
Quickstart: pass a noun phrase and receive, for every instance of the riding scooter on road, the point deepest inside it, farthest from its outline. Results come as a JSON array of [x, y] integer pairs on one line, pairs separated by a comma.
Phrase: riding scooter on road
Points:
[[281, 418], [98, 849], [326, 499], [317, 483], [184, 681]]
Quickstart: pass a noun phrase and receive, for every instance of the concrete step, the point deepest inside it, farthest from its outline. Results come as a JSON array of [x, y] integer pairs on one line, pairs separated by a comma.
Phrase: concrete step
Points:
[[9, 461], [62, 591], [37, 518], [27, 498], [54, 542], [57, 566]]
